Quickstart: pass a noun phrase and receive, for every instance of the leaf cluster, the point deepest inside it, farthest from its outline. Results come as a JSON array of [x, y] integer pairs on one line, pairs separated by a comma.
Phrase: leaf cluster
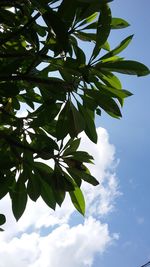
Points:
[[44, 68]]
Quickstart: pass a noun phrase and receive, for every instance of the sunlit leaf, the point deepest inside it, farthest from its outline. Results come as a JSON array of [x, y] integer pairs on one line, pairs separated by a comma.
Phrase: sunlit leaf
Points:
[[119, 48], [118, 23], [77, 199]]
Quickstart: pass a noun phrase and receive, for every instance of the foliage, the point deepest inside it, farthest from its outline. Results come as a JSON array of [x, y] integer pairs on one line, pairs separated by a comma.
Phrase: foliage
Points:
[[62, 96]]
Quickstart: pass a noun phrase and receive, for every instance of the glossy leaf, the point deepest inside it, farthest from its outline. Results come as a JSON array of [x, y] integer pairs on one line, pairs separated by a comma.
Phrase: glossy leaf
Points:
[[109, 78], [77, 199], [118, 23], [126, 67]]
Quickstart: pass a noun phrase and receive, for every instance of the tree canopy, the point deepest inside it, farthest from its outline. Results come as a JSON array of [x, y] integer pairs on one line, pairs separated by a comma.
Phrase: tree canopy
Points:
[[45, 68]]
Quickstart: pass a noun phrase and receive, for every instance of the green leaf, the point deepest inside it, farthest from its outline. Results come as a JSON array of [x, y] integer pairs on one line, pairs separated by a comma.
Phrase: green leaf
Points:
[[53, 21], [2, 219], [87, 177], [44, 114], [47, 194], [88, 19], [90, 128], [83, 36], [118, 23], [77, 199], [119, 48], [81, 58], [90, 26], [128, 67], [105, 102], [108, 78], [106, 46], [81, 156], [77, 180], [89, 7], [40, 166], [73, 146], [66, 11], [34, 187], [103, 29], [76, 123], [112, 92], [44, 145], [18, 195]]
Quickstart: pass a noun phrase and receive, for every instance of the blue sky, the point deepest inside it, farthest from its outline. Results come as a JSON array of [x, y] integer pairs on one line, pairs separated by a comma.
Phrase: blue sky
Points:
[[115, 231], [131, 138]]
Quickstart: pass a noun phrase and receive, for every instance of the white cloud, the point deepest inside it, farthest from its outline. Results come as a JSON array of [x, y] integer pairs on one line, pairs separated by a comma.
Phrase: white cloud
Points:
[[64, 244], [100, 199]]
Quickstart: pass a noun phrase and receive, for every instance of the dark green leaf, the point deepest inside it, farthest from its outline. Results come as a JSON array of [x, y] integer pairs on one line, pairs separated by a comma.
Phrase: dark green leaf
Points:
[[105, 102], [81, 156], [73, 146], [40, 166], [127, 67], [90, 128], [77, 180], [112, 92], [84, 176], [18, 195], [83, 36], [81, 58], [77, 121], [34, 187], [5, 184], [103, 29], [2, 219], [53, 21], [47, 194], [66, 12]]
